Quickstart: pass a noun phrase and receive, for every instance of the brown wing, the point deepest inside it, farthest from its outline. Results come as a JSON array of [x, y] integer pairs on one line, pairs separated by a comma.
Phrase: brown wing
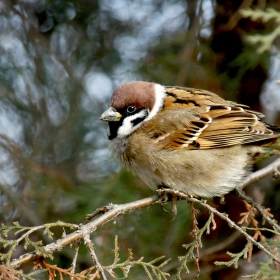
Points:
[[198, 119]]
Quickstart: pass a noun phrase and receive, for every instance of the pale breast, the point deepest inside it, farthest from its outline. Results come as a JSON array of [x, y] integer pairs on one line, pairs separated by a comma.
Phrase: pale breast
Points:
[[204, 173]]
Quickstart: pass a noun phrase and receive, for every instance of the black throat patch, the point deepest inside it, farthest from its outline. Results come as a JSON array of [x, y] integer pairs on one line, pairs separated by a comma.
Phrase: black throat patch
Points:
[[113, 129]]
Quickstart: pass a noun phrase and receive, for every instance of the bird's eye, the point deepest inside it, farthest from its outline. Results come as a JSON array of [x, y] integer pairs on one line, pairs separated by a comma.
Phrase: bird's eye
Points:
[[130, 109]]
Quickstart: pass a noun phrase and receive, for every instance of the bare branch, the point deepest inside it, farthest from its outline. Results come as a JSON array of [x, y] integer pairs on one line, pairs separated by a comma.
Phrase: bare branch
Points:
[[75, 257], [113, 211], [261, 209], [235, 226], [258, 175], [86, 229], [93, 255]]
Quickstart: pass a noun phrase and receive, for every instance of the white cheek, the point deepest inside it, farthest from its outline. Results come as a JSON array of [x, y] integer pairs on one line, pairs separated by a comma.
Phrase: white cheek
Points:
[[128, 127]]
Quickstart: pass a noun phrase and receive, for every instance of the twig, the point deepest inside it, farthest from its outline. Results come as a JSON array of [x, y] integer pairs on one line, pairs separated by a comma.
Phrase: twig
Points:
[[225, 217], [25, 236], [260, 208], [191, 247], [258, 175], [235, 226], [247, 218], [194, 234], [209, 251], [92, 253], [276, 252], [88, 228], [74, 262], [53, 269], [45, 226], [245, 253], [116, 210]]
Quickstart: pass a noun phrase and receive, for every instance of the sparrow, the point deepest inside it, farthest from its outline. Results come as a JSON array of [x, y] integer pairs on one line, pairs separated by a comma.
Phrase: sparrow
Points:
[[190, 140]]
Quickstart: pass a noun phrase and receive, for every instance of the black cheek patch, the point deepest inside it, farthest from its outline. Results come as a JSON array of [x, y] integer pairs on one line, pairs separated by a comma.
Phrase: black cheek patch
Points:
[[140, 119]]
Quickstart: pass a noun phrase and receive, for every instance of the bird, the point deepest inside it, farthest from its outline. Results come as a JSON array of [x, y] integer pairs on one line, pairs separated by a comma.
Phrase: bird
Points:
[[186, 139]]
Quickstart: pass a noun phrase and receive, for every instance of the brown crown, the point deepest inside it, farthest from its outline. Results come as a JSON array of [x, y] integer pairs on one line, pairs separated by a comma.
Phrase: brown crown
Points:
[[139, 94]]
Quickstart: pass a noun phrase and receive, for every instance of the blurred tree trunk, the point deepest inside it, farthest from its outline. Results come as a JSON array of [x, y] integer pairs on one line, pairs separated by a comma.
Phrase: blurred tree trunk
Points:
[[235, 58]]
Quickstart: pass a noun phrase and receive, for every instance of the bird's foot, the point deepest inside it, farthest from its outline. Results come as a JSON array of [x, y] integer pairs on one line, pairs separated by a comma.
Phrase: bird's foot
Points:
[[219, 200], [166, 195]]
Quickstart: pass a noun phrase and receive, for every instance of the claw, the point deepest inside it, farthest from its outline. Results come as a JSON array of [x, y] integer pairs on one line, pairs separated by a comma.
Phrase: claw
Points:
[[174, 209], [163, 209], [219, 200]]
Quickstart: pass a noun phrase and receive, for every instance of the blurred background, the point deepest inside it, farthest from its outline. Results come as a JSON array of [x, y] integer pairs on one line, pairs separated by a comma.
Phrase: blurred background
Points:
[[59, 64]]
